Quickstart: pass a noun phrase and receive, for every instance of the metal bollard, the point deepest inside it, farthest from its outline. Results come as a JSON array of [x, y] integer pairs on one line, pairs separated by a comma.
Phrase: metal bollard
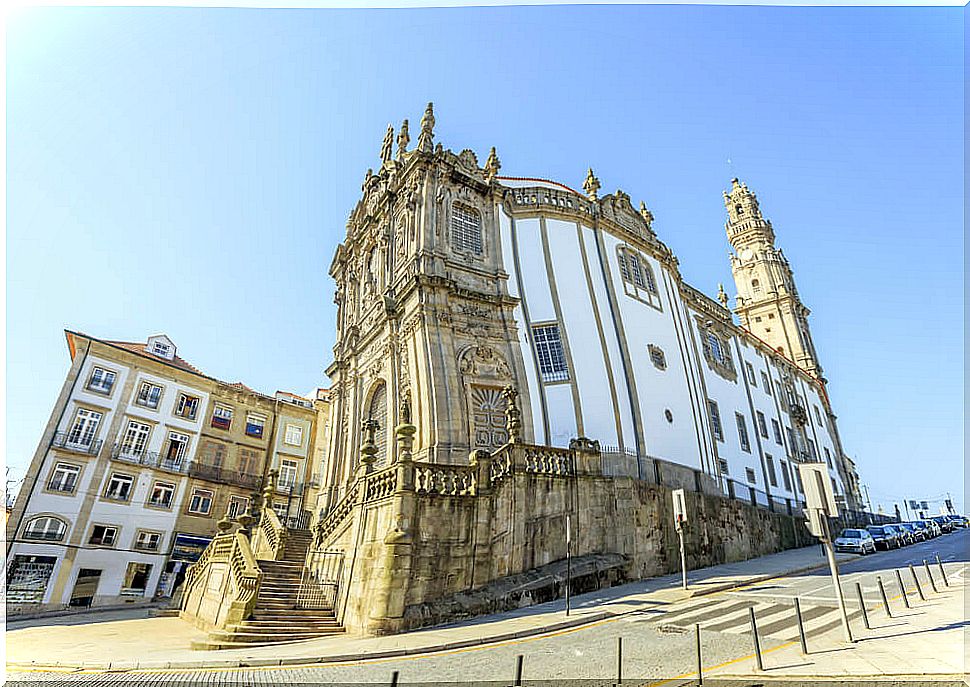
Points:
[[929, 573], [902, 588], [697, 643], [619, 661], [862, 606], [919, 587], [942, 571], [394, 679], [885, 599], [518, 671], [801, 626], [757, 642]]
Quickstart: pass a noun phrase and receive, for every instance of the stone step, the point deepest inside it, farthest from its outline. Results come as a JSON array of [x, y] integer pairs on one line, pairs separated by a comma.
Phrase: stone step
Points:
[[283, 626], [294, 615], [270, 637]]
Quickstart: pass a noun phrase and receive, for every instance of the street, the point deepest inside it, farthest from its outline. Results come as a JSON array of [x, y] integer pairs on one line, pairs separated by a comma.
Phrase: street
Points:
[[657, 638]]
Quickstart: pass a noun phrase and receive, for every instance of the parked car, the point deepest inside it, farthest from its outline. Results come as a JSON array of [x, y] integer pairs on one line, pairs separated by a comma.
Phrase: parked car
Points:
[[958, 520], [944, 523], [915, 533], [924, 528], [903, 536], [934, 529], [883, 537], [855, 541]]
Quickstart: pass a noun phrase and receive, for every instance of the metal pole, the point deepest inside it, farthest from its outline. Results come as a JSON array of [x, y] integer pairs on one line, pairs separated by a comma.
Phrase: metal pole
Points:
[[834, 569], [697, 642], [862, 606], [683, 555], [885, 599], [942, 571], [568, 563], [902, 588], [919, 587], [801, 626], [929, 573], [754, 634], [394, 679], [518, 671], [619, 660]]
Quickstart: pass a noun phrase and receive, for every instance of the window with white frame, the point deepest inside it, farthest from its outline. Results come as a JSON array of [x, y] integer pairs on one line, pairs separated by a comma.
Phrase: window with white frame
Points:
[[178, 446], [187, 406], [752, 378], [161, 495], [766, 383], [221, 417], [64, 478], [466, 229], [818, 416], [103, 535], [201, 501], [135, 438], [743, 432], [715, 415], [102, 380], [46, 528], [149, 395], [776, 428], [785, 476], [84, 428], [255, 425], [550, 353], [119, 487], [637, 275], [751, 477], [147, 541], [770, 464], [762, 425], [293, 435], [287, 477], [162, 350], [237, 506]]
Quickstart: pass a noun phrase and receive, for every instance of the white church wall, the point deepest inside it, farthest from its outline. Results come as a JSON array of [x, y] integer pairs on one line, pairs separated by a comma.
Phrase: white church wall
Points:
[[562, 415]]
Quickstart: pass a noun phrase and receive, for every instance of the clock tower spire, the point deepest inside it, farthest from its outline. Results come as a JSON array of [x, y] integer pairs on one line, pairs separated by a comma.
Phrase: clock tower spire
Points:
[[767, 302]]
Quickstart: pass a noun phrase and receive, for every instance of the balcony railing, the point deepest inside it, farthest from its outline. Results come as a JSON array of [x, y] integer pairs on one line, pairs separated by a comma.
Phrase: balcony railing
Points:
[[218, 473], [142, 546], [43, 536], [62, 440], [148, 459]]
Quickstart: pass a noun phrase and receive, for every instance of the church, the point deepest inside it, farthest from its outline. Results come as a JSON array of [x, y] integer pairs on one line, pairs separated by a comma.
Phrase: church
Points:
[[455, 282]]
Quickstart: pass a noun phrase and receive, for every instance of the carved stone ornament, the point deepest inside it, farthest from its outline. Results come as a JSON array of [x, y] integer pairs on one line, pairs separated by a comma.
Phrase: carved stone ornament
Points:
[[484, 362], [716, 344], [468, 160], [403, 138], [387, 144], [584, 444], [492, 165], [591, 185], [426, 137], [618, 208]]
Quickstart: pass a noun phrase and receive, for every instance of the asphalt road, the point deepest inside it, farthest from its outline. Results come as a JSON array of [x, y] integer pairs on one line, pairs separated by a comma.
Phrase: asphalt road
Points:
[[658, 640]]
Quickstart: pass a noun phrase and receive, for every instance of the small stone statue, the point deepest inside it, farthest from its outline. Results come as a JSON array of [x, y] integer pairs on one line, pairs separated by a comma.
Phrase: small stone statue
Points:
[[646, 214], [403, 138], [406, 410], [492, 165], [591, 185], [386, 146], [721, 296]]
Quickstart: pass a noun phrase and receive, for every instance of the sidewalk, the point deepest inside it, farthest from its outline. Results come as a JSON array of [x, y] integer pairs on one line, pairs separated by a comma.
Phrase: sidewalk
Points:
[[83, 646]]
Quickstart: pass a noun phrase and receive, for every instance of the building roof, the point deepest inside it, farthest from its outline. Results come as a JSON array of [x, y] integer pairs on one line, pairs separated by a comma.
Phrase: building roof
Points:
[[177, 362]]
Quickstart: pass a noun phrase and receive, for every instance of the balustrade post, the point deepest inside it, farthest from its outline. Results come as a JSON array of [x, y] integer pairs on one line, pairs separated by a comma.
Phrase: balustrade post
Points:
[[405, 462], [481, 460], [513, 416], [369, 449], [586, 456]]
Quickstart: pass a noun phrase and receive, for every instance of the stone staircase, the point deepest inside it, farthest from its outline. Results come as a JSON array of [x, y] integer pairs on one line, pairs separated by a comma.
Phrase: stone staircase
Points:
[[277, 617]]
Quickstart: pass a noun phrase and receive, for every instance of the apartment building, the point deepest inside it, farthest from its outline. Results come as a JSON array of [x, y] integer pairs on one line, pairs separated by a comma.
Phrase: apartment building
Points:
[[141, 457]]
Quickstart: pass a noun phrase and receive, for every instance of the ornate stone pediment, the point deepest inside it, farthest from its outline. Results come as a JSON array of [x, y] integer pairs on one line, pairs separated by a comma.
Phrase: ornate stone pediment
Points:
[[617, 208], [484, 362]]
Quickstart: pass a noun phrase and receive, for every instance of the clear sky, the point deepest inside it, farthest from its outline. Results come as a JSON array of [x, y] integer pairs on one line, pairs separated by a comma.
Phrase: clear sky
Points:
[[190, 171]]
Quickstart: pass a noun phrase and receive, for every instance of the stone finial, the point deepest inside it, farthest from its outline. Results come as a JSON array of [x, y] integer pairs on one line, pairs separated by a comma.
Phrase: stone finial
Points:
[[405, 441], [269, 489], [367, 178], [369, 448], [646, 214], [591, 185], [721, 296], [403, 138], [426, 137], [244, 520], [513, 416], [386, 145], [224, 524], [492, 165]]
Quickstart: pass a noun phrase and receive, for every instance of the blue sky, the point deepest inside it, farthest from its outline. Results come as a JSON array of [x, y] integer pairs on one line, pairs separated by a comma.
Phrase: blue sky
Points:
[[190, 171]]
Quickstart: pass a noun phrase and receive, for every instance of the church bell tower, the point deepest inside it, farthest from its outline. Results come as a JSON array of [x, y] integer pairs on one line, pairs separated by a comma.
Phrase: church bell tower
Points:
[[767, 301]]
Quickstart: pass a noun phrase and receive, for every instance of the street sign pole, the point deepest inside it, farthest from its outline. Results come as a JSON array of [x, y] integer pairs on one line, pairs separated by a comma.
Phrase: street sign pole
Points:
[[568, 568], [834, 569]]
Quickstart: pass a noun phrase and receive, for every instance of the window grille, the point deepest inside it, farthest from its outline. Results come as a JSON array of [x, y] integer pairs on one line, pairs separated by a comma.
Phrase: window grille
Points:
[[749, 473], [743, 432], [770, 462], [762, 425], [46, 528], [716, 351], [466, 229], [716, 428], [550, 353]]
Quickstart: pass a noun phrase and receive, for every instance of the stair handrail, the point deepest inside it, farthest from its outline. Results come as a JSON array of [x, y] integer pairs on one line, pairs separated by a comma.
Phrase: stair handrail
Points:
[[238, 599], [269, 537]]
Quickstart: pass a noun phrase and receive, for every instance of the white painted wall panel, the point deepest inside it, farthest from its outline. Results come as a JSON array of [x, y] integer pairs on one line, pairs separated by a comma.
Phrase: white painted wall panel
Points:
[[534, 278], [562, 420]]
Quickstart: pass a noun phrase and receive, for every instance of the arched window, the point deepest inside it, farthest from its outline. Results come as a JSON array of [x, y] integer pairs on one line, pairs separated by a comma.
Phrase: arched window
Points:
[[466, 229], [638, 277], [46, 528], [755, 286], [377, 411]]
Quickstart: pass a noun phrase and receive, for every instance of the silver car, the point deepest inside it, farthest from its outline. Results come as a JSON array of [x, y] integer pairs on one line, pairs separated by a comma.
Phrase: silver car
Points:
[[855, 541]]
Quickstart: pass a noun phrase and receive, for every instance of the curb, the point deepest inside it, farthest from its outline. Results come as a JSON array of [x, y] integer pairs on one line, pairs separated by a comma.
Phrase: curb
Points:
[[393, 653]]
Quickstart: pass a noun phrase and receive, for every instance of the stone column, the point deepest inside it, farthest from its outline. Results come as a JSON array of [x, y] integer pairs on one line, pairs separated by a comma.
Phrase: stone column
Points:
[[481, 571]]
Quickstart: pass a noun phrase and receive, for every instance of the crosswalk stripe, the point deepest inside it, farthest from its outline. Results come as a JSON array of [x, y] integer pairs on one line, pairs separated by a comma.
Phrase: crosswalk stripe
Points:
[[743, 623], [808, 614], [824, 624], [705, 612]]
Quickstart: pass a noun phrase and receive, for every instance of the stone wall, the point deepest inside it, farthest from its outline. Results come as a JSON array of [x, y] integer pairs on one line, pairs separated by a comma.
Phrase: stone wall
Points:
[[416, 533]]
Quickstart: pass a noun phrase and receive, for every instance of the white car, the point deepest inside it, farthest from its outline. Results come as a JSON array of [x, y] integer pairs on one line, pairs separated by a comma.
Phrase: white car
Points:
[[855, 541]]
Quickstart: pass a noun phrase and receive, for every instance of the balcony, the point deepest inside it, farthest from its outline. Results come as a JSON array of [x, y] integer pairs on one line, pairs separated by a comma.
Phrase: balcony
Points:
[[222, 475], [148, 459], [43, 536], [62, 441]]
